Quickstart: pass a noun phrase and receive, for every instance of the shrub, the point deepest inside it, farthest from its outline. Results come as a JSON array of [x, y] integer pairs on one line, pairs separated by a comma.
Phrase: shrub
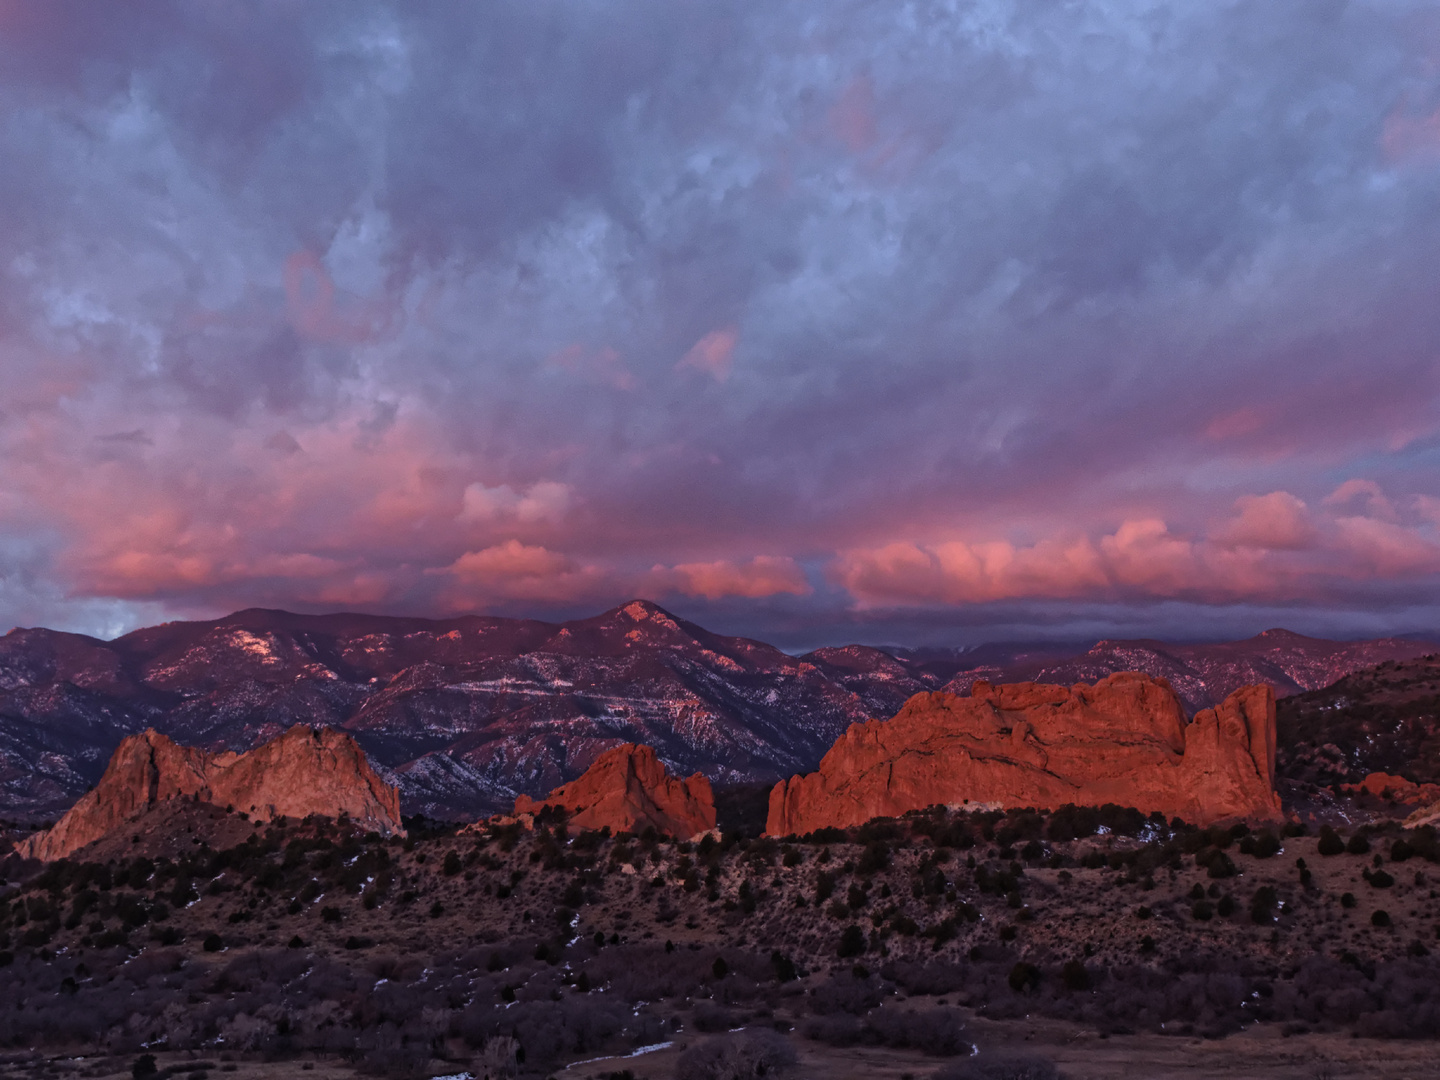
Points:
[[1330, 842], [852, 942], [1024, 976], [1262, 903], [1075, 976], [1380, 918], [784, 967], [144, 1066], [1359, 844], [874, 858], [213, 943], [824, 887], [937, 1032], [1001, 1067], [1261, 845], [846, 994], [711, 1018], [736, 1057]]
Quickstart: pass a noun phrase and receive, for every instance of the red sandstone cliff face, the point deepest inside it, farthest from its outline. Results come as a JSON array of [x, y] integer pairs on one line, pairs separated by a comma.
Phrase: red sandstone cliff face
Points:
[[301, 772], [628, 789], [1123, 740]]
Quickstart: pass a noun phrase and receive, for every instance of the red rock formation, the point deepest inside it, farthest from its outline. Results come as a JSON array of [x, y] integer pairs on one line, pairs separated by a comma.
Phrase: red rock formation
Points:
[[299, 773], [1396, 788], [628, 789], [1123, 740]]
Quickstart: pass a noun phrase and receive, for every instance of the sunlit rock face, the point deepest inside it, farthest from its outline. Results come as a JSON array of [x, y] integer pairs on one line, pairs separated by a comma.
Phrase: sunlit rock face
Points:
[[465, 714], [628, 789], [300, 773], [1123, 740]]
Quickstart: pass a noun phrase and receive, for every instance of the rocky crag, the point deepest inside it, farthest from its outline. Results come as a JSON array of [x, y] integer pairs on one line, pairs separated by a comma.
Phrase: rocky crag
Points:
[[628, 789], [302, 772], [1123, 740]]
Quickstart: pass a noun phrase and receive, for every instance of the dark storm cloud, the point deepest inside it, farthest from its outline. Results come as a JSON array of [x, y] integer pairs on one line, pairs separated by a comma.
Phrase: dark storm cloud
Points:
[[860, 315]]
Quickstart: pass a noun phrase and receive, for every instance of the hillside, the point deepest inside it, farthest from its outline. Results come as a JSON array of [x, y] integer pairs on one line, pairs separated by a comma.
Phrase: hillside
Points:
[[1378, 719], [465, 714]]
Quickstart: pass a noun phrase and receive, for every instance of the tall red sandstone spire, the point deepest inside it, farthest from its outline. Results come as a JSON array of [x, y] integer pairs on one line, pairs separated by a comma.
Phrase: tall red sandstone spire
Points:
[[301, 772], [627, 789]]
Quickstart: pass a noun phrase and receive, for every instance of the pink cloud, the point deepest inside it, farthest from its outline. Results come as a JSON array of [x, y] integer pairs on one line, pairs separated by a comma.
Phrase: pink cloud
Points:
[[516, 571], [852, 118], [1407, 135], [310, 298], [1235, 424], [764, 575], [603, 365], [1376, 504], [712, 354], [546, 501], [1384, 549], [1277, 521]]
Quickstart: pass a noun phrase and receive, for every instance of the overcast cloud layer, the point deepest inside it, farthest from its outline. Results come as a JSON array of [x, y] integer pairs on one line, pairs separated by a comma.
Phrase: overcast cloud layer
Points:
[[815, 321]]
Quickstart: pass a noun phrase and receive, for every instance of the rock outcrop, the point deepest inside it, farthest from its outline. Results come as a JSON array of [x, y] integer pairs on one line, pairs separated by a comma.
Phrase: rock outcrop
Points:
[[1395, 788], [1123, 740], [299, 773], [628, 789]]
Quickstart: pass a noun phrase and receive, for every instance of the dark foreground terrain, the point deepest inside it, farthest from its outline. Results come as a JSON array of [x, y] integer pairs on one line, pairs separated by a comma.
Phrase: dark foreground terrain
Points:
[[1098, 941]]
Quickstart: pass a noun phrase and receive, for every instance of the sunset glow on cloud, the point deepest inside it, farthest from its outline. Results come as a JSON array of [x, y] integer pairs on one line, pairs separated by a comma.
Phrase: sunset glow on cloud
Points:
[[812, 322]]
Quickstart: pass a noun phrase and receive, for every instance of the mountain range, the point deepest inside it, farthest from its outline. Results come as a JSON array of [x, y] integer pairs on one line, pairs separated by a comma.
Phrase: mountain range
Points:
[[465, 714]]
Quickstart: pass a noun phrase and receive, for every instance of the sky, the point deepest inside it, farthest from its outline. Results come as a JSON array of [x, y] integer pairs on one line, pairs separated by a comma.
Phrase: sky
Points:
[[814, 320]]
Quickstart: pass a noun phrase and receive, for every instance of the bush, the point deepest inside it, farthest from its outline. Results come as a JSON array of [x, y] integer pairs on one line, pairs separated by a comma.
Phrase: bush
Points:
[[1001, 1067], [1075, 976], [1330, 842], [852, 942], [1023, 976], [1261, 845], [1378, 879], [736, 1057], [1359, 844], [144, 1066], [1380, 918], [213, 943], [936, 1032], [711, 1018]]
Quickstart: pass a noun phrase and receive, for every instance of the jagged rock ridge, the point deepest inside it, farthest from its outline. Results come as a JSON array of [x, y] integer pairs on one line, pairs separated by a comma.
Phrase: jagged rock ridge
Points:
[[466, 714], [1124, 740], [300, 773], [1203, 675], [628, 789]]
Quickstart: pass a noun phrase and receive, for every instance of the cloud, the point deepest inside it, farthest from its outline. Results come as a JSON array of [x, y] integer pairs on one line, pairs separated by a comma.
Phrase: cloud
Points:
[[1368, 493], [513, 570], [603, 365], [762, 576], [712, 354], [1272, 550], [1053, 309], [1277, 521], [546, 501]]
